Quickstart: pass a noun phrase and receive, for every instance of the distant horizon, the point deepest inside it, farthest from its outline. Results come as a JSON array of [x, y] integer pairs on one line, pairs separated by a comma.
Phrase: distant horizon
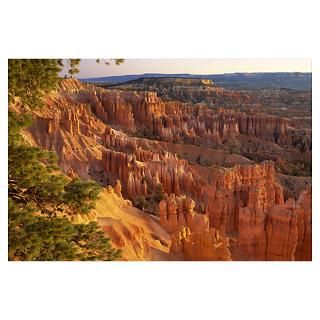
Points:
[[191, 74], [89, 68]]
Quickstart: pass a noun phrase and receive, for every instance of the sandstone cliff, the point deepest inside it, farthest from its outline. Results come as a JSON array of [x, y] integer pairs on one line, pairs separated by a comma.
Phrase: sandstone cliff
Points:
[[178, 212], [200, 246], [71, 130], [97, 133], [174, 121], [139, 235], [281, 232]]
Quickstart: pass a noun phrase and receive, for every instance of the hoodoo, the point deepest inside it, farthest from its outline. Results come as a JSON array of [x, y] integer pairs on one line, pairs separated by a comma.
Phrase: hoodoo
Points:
[[169, 158]]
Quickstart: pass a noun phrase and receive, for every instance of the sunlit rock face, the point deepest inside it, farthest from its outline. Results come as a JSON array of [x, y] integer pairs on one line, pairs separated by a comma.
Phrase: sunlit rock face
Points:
[[200, 246], [175, 121], [128, 139]]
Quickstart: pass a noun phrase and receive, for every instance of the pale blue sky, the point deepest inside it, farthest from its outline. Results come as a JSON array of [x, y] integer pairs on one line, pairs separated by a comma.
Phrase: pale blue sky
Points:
[[89, 67]]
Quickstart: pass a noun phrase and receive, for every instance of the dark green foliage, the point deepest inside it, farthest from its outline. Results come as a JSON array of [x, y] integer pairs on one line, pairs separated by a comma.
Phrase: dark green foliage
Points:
[[118, 61], [150, 202], [93, 244], [31, 79], [33, 178], [107, 63], [233, 149], [34, 237], [15, 123], [80, 196], [140, 202], [159, 193], [40, 197], [73, 66]]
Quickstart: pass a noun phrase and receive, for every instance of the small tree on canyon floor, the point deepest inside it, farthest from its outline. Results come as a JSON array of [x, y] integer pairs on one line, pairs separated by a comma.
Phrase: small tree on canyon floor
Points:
[[159, 193]]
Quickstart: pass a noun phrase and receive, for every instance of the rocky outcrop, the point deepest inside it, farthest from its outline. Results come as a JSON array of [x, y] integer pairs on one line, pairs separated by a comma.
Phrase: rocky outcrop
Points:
[[92, 131], [126, 109], [175, 121], [195, 90], [304, 222], [118, 188], [138, 235], [245, 199], [141, 170], [248, 201], [281, 232], [178, 212], [69, 128], [62, 112], [242, 186], [200, 246]]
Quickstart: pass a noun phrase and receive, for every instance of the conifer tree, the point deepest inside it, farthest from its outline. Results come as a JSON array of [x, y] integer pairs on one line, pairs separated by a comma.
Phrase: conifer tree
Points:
[[40, 196], [159, 193]]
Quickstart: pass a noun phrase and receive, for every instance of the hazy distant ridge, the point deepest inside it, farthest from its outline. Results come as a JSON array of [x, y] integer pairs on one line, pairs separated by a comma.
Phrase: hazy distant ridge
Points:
[[289, 80]]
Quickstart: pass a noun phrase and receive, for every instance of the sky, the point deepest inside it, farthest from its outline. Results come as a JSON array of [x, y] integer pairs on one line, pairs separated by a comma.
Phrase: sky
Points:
[[90, 68]]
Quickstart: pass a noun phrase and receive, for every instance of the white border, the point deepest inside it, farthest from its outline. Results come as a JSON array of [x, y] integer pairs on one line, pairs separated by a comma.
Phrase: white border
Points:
[[159, 29]]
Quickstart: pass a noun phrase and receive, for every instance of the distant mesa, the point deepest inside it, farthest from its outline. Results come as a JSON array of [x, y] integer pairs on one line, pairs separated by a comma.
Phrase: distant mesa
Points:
[[267, 80]]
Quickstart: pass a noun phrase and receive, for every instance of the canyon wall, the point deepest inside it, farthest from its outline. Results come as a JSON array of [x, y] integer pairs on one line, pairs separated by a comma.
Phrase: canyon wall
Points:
[[281, 233], [174, 121], [72, 131], [96, 133], [142, 170], [138, 234], [247, 203], [176, 212], [200, 246], [189, 90]]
